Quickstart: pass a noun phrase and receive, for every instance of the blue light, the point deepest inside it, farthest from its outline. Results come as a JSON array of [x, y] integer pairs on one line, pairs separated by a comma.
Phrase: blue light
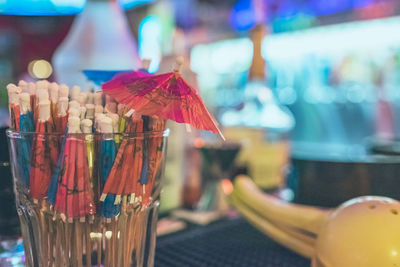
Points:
[[41, 7], [128, 4], [243, 15], [150, 30]]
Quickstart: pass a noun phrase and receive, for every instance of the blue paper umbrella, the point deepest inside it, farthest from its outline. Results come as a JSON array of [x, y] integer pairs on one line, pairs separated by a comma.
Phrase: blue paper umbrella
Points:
[[57, 173], [108, 152], [101, 76], [24, 147], [144, 175]]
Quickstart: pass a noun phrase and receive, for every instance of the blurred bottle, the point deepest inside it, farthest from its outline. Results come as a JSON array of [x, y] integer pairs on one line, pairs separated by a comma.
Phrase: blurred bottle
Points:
[[262, 125], [99, 39]]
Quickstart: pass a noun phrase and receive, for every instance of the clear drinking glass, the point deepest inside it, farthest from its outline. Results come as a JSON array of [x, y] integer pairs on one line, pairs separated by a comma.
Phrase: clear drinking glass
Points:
[[74, 230]]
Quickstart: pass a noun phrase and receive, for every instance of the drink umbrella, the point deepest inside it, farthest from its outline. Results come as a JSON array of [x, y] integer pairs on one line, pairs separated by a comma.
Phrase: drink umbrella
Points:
[[24, 148], [44, 152], [128, 163], [107, 156], [74, 198], [52, 192], [153, 153], [133, 185], [167, 96], [14, 107]]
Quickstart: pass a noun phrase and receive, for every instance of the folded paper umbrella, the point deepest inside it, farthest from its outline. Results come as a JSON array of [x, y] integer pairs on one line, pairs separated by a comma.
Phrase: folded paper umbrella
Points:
[[56, 173], [44, 153], [167, 96], [24, 147], [107, 157], [74, 198], [14, 107], [152, 154], [133, 184], [124, 176]]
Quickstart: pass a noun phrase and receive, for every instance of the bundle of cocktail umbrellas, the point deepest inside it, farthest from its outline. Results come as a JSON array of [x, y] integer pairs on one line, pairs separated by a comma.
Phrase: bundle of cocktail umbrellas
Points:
[[82, 134]]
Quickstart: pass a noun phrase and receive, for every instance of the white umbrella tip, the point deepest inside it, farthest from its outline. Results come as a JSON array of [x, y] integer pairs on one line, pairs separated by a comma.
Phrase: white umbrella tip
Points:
[[179, 62], [74, 122], [25, 97], [11, 88]]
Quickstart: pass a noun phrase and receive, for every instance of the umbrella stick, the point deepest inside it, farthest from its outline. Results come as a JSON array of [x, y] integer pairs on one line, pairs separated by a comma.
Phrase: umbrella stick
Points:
[[123, 228], [58, 250], [88, 246], [137, 237], [106, 246], [152, 240], [142, 235], [115, 242], [67, 241], [78, 242], [110, 249], [51, 238], [125, 240], [129, 241], [99, 243], [43, 233], [72, 236], [132, 241], [27, 237], [64, 248], [36, 230]]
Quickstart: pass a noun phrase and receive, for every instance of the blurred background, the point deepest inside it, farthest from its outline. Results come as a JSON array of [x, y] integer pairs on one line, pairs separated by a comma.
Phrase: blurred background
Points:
[[306, 92]]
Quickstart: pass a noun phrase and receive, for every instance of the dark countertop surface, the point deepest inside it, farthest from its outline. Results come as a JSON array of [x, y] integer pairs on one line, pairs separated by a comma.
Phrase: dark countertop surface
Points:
[[230, 242]]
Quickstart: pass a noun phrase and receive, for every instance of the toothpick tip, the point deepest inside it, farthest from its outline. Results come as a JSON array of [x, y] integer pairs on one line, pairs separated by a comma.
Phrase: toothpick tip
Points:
[[103, 197], [117, 200]]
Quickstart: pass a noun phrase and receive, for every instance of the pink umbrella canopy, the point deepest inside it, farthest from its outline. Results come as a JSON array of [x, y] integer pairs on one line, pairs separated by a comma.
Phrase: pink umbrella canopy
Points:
[[167, 96], [123, 78]]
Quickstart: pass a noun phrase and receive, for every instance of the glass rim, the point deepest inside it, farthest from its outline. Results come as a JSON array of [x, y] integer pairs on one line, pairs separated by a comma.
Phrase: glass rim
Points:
[[11, 133]]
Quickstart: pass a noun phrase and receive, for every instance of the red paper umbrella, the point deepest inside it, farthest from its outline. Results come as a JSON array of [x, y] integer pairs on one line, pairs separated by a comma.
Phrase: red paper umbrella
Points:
[[124, 176], [44, 156], [61, 123], [168, 96], [74, 195], [124, 78], [155, 158]]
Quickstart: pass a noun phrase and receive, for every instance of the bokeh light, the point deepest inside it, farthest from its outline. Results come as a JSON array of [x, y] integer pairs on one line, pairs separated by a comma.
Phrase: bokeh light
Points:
[[40, 69]]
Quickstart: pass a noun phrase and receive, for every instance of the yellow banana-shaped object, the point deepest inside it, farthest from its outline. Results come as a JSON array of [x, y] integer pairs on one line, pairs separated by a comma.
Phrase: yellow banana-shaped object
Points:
[[296, 242], [361, 232], [309, 219]]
